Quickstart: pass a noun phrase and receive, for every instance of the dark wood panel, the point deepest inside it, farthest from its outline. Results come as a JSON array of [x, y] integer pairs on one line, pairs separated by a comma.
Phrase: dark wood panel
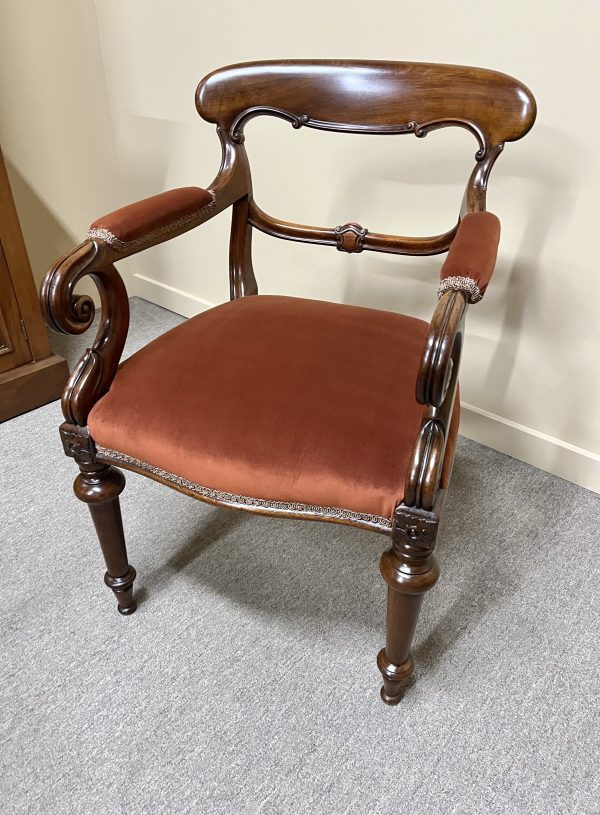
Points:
[[32, 385], [14, 348], [30, 374], [20, 270]]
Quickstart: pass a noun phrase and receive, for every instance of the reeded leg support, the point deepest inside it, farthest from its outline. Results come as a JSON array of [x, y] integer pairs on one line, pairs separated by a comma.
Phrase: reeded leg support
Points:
[[99, 486], [409, 568]]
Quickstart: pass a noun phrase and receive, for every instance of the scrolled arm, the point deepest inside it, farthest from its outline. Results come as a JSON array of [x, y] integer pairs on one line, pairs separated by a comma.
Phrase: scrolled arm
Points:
[[153, 220], [70, 313], [436, 389], [465, 276], [121, 233], [114, 236]]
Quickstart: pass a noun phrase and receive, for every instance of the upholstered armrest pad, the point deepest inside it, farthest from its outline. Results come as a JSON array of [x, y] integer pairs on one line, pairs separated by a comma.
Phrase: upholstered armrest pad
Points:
[[472, 255], [144, 223]]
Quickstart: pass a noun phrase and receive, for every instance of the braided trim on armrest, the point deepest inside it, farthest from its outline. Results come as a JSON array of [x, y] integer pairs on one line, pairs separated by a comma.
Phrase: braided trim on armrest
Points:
[[466, 284], [471, 256], [153, 235]]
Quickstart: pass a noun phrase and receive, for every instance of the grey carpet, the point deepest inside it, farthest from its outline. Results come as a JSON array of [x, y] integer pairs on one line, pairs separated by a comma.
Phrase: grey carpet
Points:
[[246, 681]]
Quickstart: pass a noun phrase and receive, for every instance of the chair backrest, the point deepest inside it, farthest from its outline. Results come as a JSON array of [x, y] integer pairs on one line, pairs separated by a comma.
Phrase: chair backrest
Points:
[[375, 98]]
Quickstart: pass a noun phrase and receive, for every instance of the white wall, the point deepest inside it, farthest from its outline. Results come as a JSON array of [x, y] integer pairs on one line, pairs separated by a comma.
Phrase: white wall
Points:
[[97, 109]]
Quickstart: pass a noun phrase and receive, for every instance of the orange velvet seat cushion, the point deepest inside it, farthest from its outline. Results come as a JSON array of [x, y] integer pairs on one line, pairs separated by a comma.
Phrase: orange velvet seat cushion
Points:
[[275, 399]]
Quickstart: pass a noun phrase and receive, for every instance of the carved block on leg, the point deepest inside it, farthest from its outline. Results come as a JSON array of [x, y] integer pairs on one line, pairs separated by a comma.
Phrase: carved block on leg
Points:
[[410, 569], [99, 486]]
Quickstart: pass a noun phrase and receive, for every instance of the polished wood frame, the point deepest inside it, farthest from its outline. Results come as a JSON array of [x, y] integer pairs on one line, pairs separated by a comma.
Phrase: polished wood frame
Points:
[[342, 96]]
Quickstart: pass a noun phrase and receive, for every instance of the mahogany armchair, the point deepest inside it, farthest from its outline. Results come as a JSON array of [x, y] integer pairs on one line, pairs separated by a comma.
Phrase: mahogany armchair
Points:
[[281, 405]]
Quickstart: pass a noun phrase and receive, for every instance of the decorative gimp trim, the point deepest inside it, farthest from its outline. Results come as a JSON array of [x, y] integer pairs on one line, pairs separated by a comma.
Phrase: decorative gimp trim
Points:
[[378, 523], [466, 284]]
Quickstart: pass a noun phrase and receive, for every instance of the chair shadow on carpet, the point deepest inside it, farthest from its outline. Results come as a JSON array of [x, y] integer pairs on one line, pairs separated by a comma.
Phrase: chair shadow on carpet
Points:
[[468, 606], [468, 549], [215, 525], [311, 572]]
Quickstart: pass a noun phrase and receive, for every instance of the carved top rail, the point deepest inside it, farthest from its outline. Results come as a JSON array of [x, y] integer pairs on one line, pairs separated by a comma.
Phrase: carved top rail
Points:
[[369, 97]]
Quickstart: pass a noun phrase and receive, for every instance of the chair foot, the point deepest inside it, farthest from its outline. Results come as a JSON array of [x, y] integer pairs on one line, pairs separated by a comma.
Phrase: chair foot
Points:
[[123, 589], [396, 678]]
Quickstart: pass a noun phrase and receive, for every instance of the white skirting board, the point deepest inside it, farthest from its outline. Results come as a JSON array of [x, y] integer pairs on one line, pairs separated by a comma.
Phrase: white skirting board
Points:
[[181, 302], [541, 450]]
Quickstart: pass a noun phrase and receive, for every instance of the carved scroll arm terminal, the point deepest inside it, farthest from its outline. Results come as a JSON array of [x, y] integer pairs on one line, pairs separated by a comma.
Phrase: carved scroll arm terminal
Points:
[[72, 313]]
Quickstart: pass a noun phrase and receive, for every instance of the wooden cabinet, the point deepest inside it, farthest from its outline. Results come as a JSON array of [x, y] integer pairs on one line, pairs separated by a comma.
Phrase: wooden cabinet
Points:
[[30, 374]]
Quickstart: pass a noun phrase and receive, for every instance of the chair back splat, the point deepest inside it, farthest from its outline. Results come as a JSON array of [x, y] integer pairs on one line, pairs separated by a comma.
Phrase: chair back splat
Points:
[[375, 98]]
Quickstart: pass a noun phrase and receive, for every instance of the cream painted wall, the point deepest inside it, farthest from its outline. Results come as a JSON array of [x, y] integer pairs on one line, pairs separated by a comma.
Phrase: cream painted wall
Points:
[[97, 109], [55, 127]]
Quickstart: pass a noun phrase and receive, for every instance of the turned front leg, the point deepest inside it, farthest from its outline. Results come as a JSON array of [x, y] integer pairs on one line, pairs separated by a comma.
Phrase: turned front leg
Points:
[[99, 486], [410, 569]]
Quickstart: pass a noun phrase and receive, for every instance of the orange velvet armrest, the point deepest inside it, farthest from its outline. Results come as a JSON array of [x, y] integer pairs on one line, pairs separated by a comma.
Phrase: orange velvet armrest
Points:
[[472, 255], [148, 221]]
